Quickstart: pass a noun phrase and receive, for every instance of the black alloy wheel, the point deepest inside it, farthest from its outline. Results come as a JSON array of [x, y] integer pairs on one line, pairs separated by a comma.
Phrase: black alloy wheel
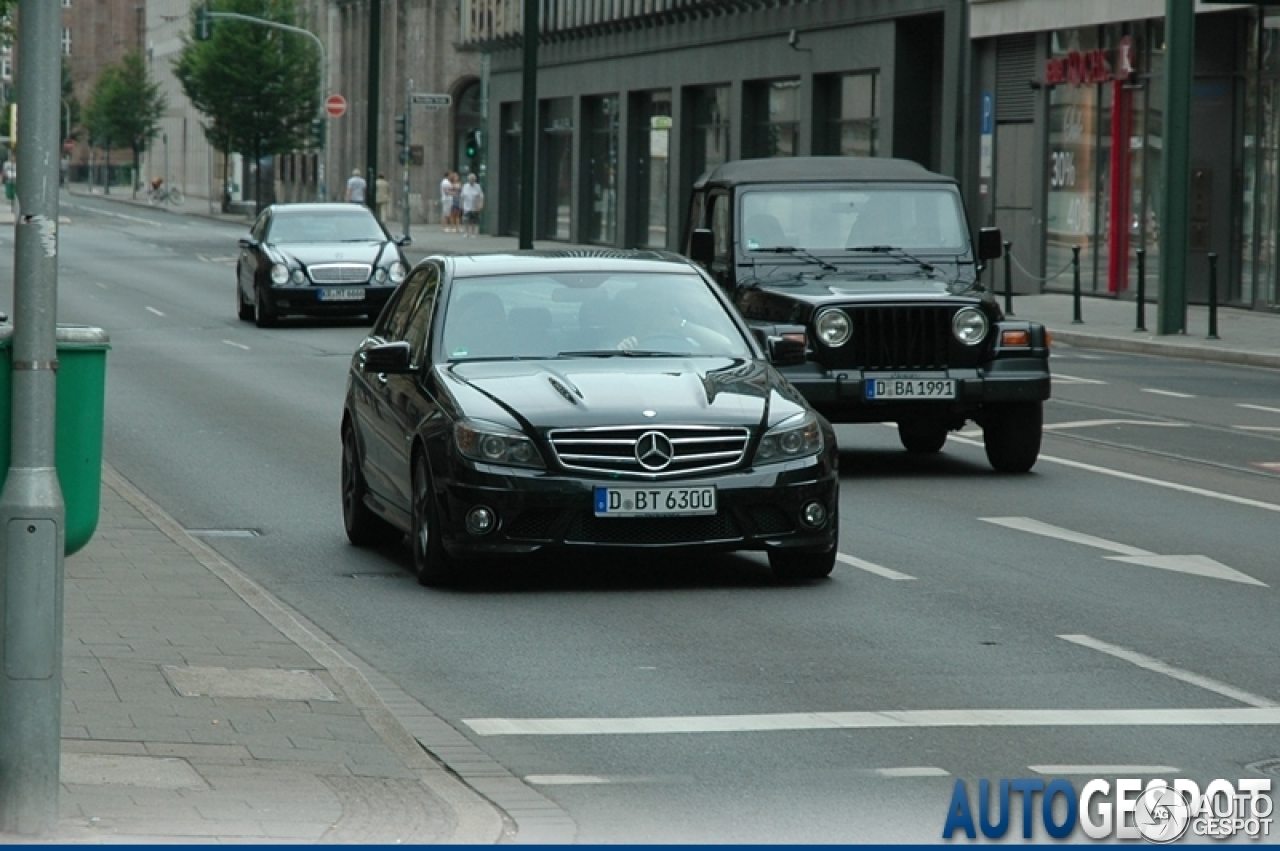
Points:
[[922, 438], [244, 310], [1011, 435], [431, 563], [264, 315], [363, 527]]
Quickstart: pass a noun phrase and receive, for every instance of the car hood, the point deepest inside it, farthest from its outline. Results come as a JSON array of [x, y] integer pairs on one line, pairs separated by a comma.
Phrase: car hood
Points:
[[331, 252], [586, 392]]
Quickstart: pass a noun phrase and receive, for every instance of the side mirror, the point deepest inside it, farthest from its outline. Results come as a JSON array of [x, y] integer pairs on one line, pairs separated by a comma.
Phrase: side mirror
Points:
[[391, 358], [786, 345], [990, 244], [248, 242], [403, 240], [702, 247]]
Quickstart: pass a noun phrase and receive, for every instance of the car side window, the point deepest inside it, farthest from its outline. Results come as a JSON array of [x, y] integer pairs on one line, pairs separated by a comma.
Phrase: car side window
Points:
[[259, 229], [421, 312], [395, 318]]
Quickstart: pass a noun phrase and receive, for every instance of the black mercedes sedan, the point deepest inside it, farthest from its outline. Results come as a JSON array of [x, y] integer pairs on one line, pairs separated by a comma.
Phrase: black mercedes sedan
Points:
[[316, 260], [507, 404]]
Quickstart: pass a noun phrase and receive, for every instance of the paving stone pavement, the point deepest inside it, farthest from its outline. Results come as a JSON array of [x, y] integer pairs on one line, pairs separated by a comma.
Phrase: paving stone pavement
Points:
[[198, 709]]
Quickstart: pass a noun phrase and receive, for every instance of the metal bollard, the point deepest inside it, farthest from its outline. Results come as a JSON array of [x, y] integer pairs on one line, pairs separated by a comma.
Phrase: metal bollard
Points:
[[1075, 285], [1142, 289], [1008, 278], [1213, 296]]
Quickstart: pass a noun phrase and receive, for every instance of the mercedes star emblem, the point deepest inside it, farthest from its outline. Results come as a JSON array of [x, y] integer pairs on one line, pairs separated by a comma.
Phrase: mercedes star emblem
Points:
[[654, 450]]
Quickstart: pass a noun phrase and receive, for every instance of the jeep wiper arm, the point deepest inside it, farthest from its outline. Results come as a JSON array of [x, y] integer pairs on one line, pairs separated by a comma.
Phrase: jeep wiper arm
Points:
[[893, 251], [802, 253]]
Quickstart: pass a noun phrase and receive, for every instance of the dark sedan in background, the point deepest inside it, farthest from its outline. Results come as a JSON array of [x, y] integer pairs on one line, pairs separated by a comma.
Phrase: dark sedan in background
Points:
[[316, 260], [507, 404]]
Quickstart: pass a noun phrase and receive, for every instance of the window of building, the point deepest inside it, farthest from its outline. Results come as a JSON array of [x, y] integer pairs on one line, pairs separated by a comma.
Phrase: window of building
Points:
[[556, 174], [510, 168], [6, 68], [652, 146], [66, 41], [774, 108], [66, 4], [849, 115], [602, 168], [1074, 130], [710, 142]]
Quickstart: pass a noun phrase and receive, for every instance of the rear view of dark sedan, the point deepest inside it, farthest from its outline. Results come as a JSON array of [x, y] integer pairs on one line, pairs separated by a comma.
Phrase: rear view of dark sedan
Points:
[[316, 260], [508, 404]]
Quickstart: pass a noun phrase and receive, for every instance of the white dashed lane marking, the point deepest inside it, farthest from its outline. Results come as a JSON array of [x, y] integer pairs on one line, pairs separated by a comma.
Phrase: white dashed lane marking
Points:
[[1168, 393], [871, 567]]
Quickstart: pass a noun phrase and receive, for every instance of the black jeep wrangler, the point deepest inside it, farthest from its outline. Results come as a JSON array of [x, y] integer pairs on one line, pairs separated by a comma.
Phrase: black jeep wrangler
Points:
[[860, 275]]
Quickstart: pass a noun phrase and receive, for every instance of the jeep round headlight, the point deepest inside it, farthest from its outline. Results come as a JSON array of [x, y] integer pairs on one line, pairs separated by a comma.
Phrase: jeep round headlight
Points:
[[833, 327], [970, 326]]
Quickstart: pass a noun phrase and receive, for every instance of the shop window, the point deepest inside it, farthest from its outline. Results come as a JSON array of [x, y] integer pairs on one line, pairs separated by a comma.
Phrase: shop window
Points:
[[849, 115], [556, 173], [710, 145], [509, 208], [652, 146], [602, 169], [774, 108]]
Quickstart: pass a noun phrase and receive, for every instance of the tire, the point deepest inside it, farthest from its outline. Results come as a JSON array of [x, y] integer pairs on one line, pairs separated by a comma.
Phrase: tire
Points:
[[263, 315], [176, 197], [244, 310], [431, 564], [922, 438], [1011, 435], [363, 527], [802, 565]]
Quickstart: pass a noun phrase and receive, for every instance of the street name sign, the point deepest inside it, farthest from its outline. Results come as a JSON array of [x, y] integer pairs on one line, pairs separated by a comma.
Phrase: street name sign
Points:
[[430, 101]]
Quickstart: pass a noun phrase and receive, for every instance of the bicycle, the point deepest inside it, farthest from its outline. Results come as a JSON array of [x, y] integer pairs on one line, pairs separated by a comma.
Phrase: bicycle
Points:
[[165, 193]]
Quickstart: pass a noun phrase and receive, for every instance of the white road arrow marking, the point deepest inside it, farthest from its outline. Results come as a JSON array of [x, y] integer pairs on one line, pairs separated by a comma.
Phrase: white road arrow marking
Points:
[[1193, 564]]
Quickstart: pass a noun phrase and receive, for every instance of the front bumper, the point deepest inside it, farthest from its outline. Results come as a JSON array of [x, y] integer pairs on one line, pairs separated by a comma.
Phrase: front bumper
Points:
[[840, 394], [310, 301], [756, 510]]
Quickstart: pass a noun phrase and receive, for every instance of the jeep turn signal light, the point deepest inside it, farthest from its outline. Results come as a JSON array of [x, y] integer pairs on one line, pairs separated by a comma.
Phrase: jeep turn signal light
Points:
[[798, 337], [1015, 339]]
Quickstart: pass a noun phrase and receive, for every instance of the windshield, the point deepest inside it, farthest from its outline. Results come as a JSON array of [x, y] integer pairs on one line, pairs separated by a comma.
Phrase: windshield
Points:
[[338, 226], [591, 314], [915, 219]]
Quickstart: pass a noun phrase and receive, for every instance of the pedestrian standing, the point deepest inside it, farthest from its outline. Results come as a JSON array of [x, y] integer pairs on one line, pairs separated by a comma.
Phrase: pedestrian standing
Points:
[[355, 187], [472, 203], [456, 194], [382, 196], [446, 203]]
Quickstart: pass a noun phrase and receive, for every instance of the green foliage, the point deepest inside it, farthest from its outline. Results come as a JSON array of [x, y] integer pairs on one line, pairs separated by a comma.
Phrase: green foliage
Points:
[[125, 106], [257, 86]]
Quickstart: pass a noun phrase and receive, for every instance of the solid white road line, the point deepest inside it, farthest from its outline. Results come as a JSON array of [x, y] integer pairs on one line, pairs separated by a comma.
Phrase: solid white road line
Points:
[[565, 780], [1156, 666], [1168, 393], [1258, 408], [871, 567], [891, 719], [1105, 770], [1058, 377], [237, 345], [1093, 423], [156, 312], [913, 771]]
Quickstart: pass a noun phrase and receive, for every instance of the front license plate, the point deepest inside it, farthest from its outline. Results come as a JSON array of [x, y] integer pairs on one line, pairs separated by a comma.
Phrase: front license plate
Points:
[[910, 388], [655, 502], [348, 294]]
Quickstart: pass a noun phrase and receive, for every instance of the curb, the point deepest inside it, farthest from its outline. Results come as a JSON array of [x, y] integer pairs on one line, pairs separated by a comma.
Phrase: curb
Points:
[[1149, 346]]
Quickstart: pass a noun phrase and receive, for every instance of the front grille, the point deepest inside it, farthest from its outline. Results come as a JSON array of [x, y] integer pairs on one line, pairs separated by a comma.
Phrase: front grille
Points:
[[654, 531], [696, 449], [896, 338], [340, 273]]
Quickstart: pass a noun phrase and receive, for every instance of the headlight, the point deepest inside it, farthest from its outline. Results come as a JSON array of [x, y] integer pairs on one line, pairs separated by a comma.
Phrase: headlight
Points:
[[796, 437], [299, 278], [833, 327], [279, 274], [379, 275], [396, 272], [495, 444], [970, 326]]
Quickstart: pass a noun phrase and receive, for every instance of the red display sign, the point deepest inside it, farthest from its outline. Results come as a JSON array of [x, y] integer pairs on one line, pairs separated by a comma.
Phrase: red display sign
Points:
[[1085, 67]]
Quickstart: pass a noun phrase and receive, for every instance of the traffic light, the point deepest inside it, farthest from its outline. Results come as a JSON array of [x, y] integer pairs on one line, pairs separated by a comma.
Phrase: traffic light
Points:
[[402, 137], [473, 144], [317, 132], [204, 24]]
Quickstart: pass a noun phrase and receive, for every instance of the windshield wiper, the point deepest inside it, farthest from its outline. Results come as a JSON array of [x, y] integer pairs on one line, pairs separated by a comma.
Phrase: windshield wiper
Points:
[[802, 253], [621, 353], [894, 252]]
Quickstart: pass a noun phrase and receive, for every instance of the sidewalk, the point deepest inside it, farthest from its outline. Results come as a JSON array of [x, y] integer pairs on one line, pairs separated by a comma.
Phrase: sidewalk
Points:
[[196, 708]]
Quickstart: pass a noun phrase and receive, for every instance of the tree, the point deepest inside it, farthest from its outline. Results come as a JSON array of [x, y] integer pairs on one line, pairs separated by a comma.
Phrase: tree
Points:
[[127, 104], [255, 85], [71, 117]]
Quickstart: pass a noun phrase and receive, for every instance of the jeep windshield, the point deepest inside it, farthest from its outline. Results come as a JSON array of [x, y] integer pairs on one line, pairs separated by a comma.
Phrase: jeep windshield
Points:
[[893, 218]]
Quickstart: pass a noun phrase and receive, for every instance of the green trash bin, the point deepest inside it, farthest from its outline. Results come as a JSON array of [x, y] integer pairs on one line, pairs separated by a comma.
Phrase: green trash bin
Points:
[[81, 400]]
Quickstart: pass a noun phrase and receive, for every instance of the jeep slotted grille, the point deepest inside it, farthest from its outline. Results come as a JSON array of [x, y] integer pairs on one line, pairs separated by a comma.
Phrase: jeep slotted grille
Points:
[[687, 449], [898, 337]]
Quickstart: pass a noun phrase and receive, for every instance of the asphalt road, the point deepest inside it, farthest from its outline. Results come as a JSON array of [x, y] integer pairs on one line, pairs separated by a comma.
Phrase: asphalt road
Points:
[[974, 628]]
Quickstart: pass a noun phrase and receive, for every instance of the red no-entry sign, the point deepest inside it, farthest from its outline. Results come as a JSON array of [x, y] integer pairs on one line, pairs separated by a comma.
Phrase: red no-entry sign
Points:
[[335, 106]]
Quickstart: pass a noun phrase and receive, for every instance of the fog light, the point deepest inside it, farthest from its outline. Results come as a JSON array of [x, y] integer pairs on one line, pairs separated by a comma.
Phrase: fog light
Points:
[[813, 514], [480, 520]]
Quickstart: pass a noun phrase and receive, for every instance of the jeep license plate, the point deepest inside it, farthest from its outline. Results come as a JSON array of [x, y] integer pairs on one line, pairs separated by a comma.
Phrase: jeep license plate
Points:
[[910, 388], [654, 502], [343, 294]]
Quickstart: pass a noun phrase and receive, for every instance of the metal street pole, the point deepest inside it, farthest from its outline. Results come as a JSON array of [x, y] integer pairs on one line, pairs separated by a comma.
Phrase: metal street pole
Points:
[[32, 513], [371, 127], [1179, 65], [529, 123], [488, 137], [404, 151]]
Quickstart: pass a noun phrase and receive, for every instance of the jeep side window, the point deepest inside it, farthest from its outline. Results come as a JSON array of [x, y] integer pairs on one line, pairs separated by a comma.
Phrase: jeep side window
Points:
[[720, 227], [695, 220]]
